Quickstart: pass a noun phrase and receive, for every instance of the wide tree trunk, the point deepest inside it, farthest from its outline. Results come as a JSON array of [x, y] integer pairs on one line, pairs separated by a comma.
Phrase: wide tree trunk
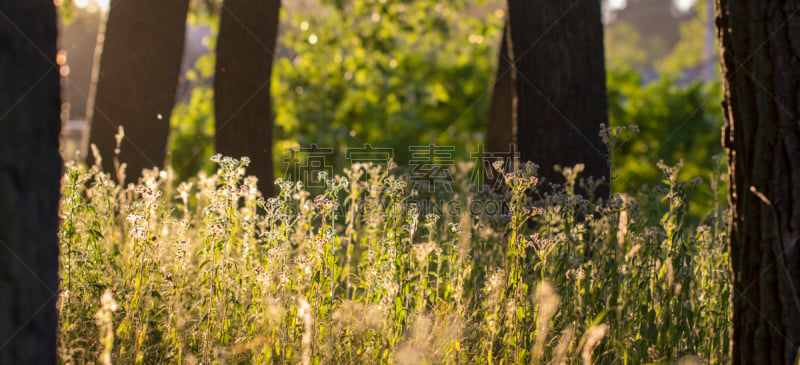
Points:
[[30, 174], [138, 79], [561, 85], [501, 128], [761, 66], [245, 50]]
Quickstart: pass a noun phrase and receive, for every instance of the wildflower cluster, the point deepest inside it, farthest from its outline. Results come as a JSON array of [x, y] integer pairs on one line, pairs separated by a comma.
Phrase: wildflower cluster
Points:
[[210, 271]]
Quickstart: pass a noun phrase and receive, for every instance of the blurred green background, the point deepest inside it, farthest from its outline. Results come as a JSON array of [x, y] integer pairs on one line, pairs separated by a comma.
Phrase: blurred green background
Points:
[[400, 73]]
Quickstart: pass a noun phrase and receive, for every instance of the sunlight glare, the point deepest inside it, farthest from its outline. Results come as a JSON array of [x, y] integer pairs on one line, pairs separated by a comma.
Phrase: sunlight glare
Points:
[[83, 4], [684, 5], [617, 4]]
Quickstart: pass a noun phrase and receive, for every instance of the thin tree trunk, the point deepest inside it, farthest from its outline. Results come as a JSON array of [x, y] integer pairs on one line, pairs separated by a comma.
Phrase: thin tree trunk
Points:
[[561, 85], [30, 174], [761, 68], [245, 50], [138, 79], [501, 129]]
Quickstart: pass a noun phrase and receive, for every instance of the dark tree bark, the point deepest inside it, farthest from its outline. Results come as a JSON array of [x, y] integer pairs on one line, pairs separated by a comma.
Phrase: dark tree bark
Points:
[[501, 129], [138, 78], [561, 85], [245, 50], [761, 68], [30, 174]]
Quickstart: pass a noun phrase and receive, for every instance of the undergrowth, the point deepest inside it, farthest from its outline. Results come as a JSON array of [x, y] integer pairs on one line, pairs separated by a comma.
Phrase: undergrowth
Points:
[[208, 271]]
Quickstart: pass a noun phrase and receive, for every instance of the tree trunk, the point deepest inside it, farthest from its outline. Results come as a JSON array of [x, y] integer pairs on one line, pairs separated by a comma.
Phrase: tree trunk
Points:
[[30, 174], [138, 78], [561, 85], [501, 129], [761, 68], [245, 50]]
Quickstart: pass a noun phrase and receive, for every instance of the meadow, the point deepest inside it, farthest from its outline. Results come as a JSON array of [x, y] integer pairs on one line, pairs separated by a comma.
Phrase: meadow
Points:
[[207, 271]]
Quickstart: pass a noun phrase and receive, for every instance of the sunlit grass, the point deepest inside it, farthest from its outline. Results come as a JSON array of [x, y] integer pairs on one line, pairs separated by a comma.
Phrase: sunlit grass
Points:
[[208, 271]]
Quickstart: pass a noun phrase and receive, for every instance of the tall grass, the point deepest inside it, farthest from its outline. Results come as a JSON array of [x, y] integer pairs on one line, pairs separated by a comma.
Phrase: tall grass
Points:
[[208, 271]]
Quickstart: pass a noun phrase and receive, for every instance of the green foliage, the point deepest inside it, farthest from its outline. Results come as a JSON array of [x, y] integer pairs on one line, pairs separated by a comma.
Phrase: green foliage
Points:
[[625, 47], [676, 122], [387, 83], [362, 72], [392, 74], [191, 136], [370, 76], [204, 12], [66, 10], [690, 52], [210, 272]]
